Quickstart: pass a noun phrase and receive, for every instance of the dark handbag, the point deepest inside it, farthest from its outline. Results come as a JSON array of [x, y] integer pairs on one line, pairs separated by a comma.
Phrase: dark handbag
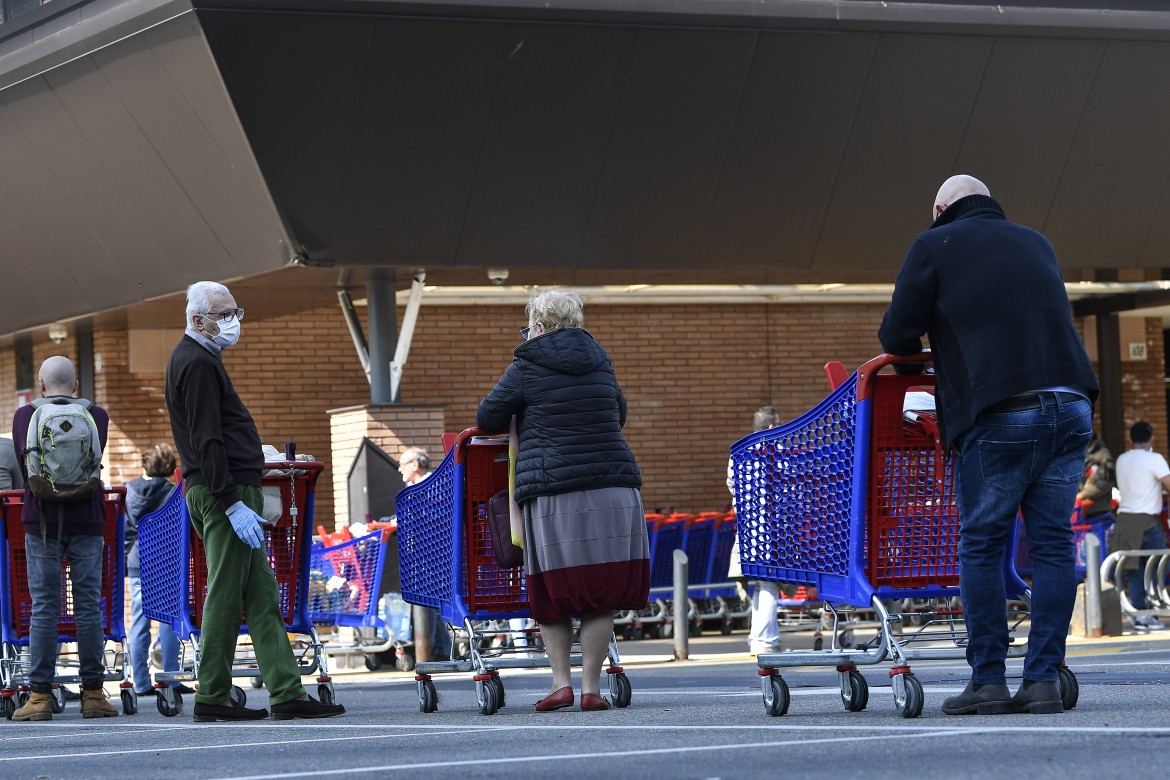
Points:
[[508, 555]]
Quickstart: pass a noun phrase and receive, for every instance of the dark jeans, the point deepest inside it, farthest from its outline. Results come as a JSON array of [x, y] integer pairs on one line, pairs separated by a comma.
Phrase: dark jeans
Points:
[[84, 552], [1028, 461]]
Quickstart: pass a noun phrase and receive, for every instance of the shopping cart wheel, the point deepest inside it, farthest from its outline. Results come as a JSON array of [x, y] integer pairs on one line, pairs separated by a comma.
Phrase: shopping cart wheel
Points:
[[373, 662], [404, 662], [497, 687], [485, 695], [845, 639], [619, 689], [9, 708], [58, 701], [129, 702], [1070, 689], [169, 702], [257, 682], [819, 643], [776, 696], [911, 698], [428, 698], [238, 696], [854, 691], [325, 693], [666, 630]]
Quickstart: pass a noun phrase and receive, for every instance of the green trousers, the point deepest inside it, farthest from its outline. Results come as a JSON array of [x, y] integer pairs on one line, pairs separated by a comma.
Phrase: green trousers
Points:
[[239, 577]]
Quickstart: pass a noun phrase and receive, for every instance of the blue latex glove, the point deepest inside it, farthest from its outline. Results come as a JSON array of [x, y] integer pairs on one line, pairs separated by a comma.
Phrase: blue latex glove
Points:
[[246, 524]]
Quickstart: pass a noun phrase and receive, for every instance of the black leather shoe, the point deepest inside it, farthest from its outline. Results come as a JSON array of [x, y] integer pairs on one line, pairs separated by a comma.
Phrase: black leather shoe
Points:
[[990, 699], [180, 688], [305, 708], [1039, 698], [210, 713]]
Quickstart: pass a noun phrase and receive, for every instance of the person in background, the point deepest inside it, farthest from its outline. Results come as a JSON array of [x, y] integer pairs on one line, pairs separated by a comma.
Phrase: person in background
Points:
[[1016, 411], [222, 459], [144, 495], [415, 465], [82, 541], [764, 634], [1142, 477], [1096, 493], [586, 551], [10, 476]]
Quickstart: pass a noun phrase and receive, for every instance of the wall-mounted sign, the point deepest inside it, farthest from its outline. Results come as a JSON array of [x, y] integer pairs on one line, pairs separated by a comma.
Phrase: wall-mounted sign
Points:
[[23, 397], [1137, 350]]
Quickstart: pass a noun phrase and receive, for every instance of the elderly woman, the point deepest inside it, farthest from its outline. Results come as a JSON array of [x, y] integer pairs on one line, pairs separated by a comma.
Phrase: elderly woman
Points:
[[585, 547]]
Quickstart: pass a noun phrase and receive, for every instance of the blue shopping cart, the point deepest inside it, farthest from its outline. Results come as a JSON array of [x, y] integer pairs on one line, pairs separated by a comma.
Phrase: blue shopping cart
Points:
[[173, 568], [447, 562], [856, 498], [16, 606]]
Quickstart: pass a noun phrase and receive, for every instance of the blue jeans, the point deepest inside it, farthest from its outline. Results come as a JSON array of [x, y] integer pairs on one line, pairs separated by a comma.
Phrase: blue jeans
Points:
[[140, 641], [440, 637], [85, 554], [1028, 461]]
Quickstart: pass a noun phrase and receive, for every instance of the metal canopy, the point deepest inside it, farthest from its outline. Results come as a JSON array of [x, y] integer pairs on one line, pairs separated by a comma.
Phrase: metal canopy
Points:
[[145, 144]]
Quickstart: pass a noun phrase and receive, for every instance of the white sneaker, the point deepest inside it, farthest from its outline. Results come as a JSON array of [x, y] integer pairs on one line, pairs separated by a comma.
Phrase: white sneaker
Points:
[[1148, 622], [756, 648]]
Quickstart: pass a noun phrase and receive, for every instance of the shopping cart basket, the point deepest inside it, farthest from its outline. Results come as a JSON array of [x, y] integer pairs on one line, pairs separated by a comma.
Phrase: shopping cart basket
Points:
[[446, 559], [857, 499], [345, 580], [16, 606], [174, 580]]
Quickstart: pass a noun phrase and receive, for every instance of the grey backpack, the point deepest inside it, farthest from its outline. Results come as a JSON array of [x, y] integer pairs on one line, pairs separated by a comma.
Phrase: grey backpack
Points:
[[63, 450]]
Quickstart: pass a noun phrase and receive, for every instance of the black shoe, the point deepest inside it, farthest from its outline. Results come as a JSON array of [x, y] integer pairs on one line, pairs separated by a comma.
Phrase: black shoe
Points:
[[990, 699], [210, 713], [305, 708], [1040, 698], [141, 694], [70, 695], [180, 688]]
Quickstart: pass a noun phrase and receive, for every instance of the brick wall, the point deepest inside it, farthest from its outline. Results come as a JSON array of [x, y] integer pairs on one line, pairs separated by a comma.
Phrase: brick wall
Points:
[[693, 375]]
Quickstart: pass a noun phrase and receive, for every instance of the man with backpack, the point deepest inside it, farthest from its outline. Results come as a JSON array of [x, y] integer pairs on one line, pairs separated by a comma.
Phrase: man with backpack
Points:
[[59, 441]]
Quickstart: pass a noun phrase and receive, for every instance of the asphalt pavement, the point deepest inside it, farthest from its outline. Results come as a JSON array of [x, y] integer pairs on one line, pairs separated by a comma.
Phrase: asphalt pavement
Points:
[[701, 718]]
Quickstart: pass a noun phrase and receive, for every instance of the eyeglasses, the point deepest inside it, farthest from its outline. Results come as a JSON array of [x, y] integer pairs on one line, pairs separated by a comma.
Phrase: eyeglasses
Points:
[[402, 463], [524, 333], [225, 316]]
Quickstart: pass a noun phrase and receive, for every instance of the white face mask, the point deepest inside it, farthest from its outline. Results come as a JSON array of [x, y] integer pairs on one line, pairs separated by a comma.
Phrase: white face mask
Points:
[[229, 333]]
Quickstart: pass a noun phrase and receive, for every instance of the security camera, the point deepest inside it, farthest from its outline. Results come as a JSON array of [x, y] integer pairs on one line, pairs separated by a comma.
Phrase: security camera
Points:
[[58, 333], [497, 275]]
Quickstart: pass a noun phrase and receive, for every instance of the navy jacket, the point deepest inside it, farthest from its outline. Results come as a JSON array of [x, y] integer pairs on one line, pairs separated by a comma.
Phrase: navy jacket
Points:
[[989, 295], [570, 412]]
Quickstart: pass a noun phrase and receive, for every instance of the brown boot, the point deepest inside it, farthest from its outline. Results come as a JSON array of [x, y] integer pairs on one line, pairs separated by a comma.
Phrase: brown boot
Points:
[[38, 707], [94, 705]]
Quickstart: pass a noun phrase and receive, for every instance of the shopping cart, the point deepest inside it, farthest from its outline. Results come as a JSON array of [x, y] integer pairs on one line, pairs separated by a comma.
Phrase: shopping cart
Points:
[[857, 499], [446, 559], [173, 567], [345, 580], [16, 607]]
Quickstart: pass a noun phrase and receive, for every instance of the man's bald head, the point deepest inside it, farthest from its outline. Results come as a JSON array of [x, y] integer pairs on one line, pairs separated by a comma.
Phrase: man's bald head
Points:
[[58, 376], [953, 189]]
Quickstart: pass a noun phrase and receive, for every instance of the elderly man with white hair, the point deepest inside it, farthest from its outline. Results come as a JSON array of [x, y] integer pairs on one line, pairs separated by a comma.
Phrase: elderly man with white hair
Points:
[[1015, 392]]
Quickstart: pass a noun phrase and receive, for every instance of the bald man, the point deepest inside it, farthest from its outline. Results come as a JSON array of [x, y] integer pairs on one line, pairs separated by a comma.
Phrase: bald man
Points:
[[1015, 393], [74, 531]]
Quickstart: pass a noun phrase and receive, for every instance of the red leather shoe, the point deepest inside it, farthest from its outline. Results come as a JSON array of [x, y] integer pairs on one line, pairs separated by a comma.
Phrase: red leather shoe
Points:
[[591, 701], [557, 700]]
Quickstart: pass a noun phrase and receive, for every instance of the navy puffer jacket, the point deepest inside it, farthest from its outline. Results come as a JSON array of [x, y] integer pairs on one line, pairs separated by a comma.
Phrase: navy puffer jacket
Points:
[[569, 411]]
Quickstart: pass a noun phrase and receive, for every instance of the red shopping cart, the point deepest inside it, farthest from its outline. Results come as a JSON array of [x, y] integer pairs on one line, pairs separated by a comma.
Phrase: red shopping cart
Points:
[[447, 562], [174, 581], [856, 499], [16, 606]]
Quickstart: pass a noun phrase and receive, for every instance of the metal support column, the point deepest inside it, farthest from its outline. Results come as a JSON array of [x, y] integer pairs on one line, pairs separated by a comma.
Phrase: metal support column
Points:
[[383, 326], [1110, 404]]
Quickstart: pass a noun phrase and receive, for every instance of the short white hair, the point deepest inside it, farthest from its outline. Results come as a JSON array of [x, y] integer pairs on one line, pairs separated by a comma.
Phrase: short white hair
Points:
[[556, 309], [199, 297]]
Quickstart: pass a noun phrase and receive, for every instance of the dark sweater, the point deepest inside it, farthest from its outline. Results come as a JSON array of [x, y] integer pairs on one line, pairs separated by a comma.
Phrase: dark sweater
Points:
[[989, 295], [81, 517], [217, 440], [570, 412]]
